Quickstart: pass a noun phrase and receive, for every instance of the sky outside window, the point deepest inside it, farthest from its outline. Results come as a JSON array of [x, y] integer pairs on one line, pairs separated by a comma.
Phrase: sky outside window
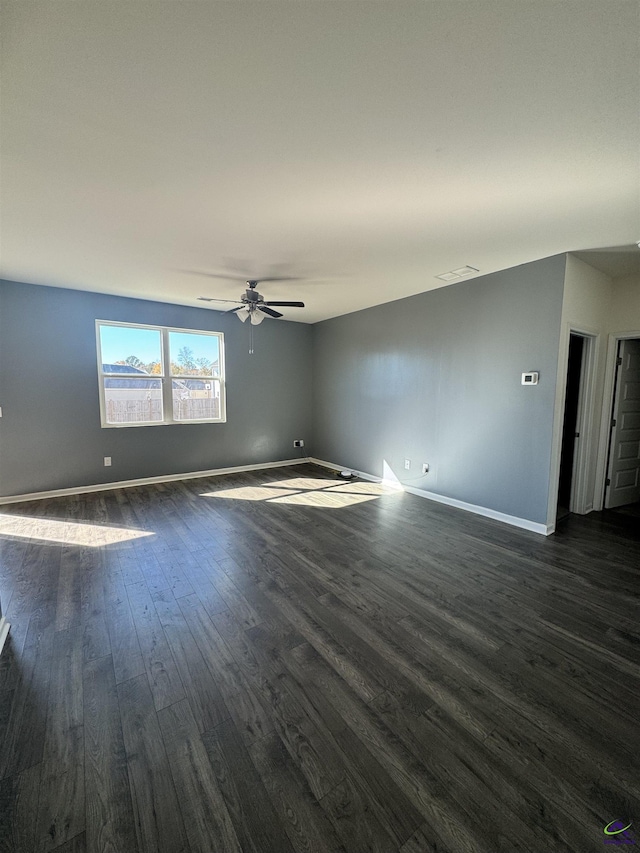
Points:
[[120, 342], [201, 348], [142, 348]]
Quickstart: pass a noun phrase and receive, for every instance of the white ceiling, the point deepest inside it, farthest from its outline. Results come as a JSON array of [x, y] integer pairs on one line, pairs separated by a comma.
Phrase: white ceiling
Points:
[[364, 147]]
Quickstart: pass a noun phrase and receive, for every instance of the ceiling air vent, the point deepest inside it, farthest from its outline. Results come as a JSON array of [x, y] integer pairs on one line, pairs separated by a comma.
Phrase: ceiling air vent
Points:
[[459, 273]]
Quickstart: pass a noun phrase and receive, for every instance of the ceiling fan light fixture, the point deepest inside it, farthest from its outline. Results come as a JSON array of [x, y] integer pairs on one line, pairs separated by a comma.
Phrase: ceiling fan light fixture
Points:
[[242, 314], [256, 317]]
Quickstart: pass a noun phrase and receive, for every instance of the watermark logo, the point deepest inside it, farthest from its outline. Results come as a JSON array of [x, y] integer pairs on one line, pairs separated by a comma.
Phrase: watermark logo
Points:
[[617, 833]]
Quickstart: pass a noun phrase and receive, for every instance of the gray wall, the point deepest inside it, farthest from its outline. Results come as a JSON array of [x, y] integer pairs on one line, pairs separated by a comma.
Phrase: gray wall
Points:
[[50, 434], [436, 378]]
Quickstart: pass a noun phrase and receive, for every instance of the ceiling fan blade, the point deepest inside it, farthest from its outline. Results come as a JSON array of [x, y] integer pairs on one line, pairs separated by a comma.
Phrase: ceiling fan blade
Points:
[[276, 278], [232, 276], [233, 310], [210, 299], [286, 304], [268, 311], [225, 277]]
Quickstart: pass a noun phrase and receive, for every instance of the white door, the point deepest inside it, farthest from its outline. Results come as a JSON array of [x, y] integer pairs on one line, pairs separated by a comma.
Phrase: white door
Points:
[[623, 478]]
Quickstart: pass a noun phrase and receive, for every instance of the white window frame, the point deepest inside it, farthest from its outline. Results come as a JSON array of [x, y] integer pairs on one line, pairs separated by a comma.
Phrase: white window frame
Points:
[[166, 377]]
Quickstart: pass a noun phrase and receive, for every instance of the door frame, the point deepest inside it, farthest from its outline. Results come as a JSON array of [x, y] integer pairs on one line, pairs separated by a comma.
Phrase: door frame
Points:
[[581, 501], [607, 410]]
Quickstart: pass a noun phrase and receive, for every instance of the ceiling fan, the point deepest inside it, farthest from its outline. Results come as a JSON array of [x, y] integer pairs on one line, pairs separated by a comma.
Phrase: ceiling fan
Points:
[[252, 303]]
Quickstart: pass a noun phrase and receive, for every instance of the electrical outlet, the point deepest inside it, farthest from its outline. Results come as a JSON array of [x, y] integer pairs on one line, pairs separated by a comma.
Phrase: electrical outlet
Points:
[[407, 464], [298, 443], [425, 467], [107, 461]]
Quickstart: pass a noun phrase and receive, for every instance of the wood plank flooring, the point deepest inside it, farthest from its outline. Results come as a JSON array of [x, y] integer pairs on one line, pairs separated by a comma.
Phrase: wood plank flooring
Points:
[[279, 661]]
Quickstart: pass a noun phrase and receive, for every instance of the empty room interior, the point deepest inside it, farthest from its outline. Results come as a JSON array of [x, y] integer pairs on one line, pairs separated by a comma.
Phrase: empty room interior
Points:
[[319, 426]]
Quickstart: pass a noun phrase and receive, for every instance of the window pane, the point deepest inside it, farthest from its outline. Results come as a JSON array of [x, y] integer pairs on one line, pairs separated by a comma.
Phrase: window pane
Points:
[[126, 349], [194, 355], [196, 399], [132, 401]]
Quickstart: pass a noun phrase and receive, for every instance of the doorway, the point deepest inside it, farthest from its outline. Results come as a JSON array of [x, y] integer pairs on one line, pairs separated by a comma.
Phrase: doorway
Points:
[[570, 432], [622, 485]]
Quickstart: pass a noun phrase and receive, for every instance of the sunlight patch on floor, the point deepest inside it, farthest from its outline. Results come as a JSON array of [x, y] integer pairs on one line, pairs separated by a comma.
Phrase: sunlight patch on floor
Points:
[[306, 483], [249, 493], [365, 489], [67, 532], [306, 491], [327, 499]]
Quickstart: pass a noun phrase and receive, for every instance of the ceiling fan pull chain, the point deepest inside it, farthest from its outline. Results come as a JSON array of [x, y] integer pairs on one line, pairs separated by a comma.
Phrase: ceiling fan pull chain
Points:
[[251, 339]]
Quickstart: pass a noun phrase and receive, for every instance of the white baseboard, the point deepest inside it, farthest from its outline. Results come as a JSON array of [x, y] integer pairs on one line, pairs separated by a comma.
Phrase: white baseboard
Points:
[[4, 631], [513, 520], [165, 478], [393, 484]]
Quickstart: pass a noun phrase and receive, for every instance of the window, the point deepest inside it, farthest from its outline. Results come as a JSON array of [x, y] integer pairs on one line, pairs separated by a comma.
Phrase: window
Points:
[[153, 375]]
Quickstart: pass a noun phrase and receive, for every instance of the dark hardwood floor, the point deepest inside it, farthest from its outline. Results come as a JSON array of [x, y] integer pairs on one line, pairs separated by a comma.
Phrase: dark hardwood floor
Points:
[[279, 661]]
